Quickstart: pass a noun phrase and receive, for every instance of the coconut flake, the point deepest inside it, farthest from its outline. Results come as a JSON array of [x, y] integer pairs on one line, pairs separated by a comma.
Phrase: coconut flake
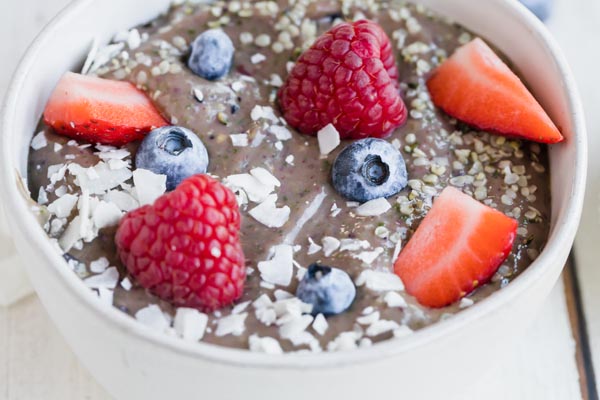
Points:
[[39, 141], [134, 40], [56, 173], [373, 208], [103, 178], [115, 164], [330, 245], [335, 210], [320, 324], [90, 57], [240, 307], [71, 235], [148, 185], [265, 177], [263, 112], [107, 279], [281, 132], [369, 319], [107, 153], [86, 229], [393, 299], [126, 284], [380, 281], [153, 317], [262, 301], [239, 139], [256, 190], [42, 196], [190, 324], [98, 266], [353, 244], [368, 257], [63, 206], [265, 344], [106, 214], [295, 326], [329, 139], [233, 324], [313, 248], [344, 341], [269, 215], [124, 201], [397, 249], [381, 326], [103, 55], [106, 296], [465, 302], [282, 295], [280, 268], [289, 309], [238, 86], [267, 316]]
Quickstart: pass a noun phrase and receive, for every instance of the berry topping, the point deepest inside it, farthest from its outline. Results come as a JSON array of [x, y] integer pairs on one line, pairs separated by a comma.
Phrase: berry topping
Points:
[[329, 290], [212, 55], [185, 248], [458, 246], [100, 110], [369, 169], [173, 151], [348, 78], [477, 87]]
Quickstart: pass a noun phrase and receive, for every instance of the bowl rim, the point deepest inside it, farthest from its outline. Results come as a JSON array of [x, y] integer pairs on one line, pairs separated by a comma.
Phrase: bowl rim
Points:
[[564, 232]]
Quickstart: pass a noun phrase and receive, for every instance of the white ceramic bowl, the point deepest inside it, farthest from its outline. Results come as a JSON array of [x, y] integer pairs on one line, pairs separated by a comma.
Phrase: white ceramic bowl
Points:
[[132, 362]]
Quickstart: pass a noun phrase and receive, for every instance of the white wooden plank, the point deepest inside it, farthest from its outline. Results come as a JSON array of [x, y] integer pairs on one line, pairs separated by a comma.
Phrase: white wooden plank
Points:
[[41, 364], [3, 350], [542, 366], [578, 32]]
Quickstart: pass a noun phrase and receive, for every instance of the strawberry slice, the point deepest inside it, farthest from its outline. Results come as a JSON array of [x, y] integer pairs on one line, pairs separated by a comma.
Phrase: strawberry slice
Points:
[[458, 246], [100, 110], [477, 87]]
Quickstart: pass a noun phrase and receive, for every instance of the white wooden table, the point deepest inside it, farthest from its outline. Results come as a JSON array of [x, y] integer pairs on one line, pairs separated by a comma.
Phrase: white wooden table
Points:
[[35, 362]]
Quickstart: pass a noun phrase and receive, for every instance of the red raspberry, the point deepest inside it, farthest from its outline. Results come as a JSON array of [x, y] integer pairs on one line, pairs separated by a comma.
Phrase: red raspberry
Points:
[[185, 248], [348, 78]]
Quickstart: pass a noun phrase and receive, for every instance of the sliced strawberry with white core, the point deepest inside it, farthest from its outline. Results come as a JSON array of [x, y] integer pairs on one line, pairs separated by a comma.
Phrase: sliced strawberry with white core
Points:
[[459, 245], [477, 87], [100, 110]]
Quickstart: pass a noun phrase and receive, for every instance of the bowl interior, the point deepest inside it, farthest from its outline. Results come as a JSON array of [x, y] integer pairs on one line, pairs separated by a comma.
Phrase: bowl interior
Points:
[[520, 36]]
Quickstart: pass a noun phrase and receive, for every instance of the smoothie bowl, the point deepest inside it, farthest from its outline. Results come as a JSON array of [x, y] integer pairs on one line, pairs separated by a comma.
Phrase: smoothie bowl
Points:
[[358, 193]]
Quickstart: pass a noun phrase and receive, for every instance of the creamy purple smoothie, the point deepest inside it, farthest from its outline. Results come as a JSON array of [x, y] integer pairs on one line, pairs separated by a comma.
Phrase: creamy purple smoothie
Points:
[[509, 175]]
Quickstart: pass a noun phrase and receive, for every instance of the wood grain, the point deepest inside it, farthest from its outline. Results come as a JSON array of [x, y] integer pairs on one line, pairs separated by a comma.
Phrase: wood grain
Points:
[[41, 366], [578, 33], [587, 380]]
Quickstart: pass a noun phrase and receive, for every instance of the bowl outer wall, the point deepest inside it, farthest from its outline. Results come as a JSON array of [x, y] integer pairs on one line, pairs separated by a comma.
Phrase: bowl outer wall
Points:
[[134, 362]]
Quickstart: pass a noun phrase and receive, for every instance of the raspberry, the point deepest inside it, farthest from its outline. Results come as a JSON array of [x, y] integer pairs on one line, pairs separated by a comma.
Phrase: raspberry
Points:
[[185, 248], [348, 78]]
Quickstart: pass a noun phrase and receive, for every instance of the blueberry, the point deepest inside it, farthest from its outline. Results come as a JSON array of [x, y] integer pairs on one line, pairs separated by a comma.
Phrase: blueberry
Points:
[[172, 151], [541, 8], [212, 54], [368, 169], [329, 290]]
